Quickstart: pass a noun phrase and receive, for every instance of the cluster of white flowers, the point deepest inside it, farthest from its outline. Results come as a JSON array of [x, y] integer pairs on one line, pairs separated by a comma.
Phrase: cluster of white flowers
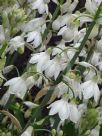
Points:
[[78, 87]]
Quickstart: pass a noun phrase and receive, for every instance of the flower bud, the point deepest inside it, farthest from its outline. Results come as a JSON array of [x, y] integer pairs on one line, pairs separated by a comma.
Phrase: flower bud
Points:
[[53, 132], [60, 133]]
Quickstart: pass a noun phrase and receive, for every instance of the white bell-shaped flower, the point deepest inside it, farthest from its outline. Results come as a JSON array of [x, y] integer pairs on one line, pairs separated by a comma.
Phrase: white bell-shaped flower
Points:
[[60, 21], [35, 38], [33, 24], [90, 89], [52, 67], [17, 86], [67, 33], [65, 110], [96, 57], [16, 43], [40, 58]]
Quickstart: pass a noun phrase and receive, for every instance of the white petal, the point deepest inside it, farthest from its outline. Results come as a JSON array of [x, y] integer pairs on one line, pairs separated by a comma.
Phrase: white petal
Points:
[[64, 111], [31, 36], [12, 81], [96, 93], [55, 107], [74, 114]]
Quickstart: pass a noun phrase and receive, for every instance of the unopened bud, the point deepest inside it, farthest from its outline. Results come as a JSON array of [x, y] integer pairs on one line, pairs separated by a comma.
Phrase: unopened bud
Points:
[[60, 133], [53, 132]]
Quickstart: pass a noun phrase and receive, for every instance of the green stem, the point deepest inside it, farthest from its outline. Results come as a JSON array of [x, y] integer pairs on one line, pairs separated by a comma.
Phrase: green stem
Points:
[[42, 130]]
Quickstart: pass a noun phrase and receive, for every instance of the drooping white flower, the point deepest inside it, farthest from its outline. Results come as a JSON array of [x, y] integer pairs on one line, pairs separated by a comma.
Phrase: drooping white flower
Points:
[[90, 89], [65, 110], [35, 38], [67, 33], [67, 8], [60, 21], [16, 43], [2, 35], [33, 24], [91, 9], [17, 86], [40, 58], [96, 57], [52, 67]]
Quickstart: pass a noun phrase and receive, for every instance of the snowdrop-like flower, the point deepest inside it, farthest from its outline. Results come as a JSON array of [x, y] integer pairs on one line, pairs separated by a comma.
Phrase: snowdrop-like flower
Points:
[[60, 21], [95, 59], [91, 8], [65, 110], [40, 58], [90, 89], [17, 86], [16, 43], [64, 19], [67, 33], [41, 5], [35, 38], [2, 35], [53, 67], [33, 24]]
